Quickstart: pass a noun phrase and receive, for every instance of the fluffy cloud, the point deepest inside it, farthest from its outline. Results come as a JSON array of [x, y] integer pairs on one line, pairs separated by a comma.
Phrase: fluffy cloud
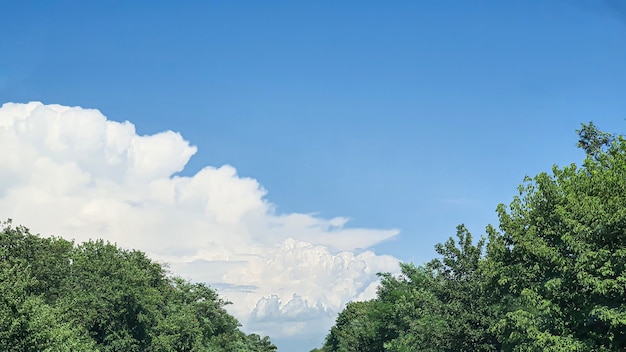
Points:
[[69, 171]]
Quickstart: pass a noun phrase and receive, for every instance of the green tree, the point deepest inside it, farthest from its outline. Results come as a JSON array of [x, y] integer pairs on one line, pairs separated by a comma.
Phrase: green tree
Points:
[[552, 278], [461, 287], [441, 306], [257, 344], [411, 314], [115, 294], [57, 296], [27, 322], [592, 140], [356, 329], [559, 257]]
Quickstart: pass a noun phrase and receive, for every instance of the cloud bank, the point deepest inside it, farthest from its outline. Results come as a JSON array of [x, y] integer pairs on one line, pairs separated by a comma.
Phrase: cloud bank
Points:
[[69, 171]]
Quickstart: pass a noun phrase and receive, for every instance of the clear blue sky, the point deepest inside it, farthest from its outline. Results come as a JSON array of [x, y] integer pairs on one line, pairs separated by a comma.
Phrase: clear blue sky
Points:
[[417, 115], [411, 114]]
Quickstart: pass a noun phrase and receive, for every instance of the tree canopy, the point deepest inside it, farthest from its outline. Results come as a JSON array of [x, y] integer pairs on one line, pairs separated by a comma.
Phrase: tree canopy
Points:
[[94, 296], [551, 277]]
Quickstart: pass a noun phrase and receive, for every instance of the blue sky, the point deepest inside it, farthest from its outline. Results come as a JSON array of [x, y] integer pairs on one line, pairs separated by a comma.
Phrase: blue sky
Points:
[[415, 115]]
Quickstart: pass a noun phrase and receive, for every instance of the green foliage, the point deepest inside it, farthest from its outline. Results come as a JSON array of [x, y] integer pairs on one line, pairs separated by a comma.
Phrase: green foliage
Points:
[[592, 140], [437, 307], [551, 278], [356, 330], [561, 255], [27, 322], [55, 296]]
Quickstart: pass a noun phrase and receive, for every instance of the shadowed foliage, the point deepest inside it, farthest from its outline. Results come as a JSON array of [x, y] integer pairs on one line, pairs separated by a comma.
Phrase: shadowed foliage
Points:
[[58, 296]]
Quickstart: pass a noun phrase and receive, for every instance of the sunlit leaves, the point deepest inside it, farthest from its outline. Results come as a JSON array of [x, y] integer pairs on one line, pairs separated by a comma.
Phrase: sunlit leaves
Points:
[[552, 278]]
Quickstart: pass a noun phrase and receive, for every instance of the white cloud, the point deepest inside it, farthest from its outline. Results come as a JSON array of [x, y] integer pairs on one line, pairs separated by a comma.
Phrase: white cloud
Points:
[[69, 171]]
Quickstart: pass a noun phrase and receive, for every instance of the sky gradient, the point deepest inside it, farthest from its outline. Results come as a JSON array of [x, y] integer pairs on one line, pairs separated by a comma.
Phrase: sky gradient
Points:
[[407, 115]]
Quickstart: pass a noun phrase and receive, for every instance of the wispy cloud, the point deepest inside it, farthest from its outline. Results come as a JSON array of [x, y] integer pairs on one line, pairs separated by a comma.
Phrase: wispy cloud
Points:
[[458, 201]]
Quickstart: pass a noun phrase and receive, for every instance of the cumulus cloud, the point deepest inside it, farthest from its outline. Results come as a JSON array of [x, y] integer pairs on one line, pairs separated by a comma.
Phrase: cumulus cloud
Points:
[[71, 172]]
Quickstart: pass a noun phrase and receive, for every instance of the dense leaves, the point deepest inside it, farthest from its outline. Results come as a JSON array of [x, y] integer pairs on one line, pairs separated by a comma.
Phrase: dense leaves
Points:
[[57, 296], [551, 278]]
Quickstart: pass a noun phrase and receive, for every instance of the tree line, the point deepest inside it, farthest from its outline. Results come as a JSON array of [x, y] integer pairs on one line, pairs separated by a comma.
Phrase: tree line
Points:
[[58, 296], [551, 277]]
